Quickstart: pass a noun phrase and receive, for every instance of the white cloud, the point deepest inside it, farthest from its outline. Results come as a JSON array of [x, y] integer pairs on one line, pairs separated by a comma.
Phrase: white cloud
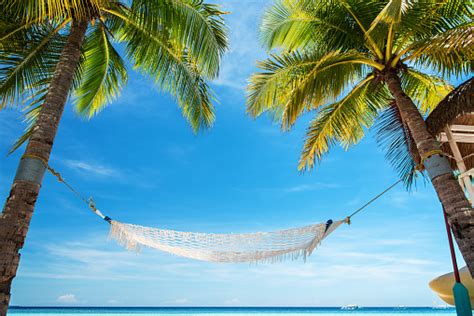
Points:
[[182, 154], [141, 177], [393, 242], [403, 199], [67, 298], [87, 261], [315, 186], [91, 168], [311, 187], [232, 301], [112, 302], [181, 301], [333, 264], [245, 48]]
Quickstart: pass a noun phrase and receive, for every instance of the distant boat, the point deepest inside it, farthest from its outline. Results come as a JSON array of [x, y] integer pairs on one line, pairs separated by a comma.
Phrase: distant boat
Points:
[[441, 307], [401, 307], [350, 307]]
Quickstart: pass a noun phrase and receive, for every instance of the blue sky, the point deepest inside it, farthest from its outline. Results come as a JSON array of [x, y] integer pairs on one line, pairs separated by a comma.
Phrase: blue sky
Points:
[[142, 164]]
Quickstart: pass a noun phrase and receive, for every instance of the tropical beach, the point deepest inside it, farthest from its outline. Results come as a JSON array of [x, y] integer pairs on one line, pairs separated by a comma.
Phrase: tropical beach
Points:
[[258, 157], [216, 311]]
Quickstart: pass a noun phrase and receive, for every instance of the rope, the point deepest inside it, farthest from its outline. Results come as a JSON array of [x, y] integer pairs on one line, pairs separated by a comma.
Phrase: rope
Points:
[[429, 154], [468, 156], [373, 200], [91, 204]]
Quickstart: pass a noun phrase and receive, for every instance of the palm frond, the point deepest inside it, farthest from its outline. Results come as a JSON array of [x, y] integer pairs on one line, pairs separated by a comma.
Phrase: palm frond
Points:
[[191, 23], [30, 116], [199, 114], [448, 53], [299, 24], [323, 83], [173, 68], [344, 121], [386, 23], [33, 105], [391, 13], [391, 34], [364, 13], [425, 90], [293, 83], [104, 73], [30, 10], [13, 29], [400, 150], [425, 19], [305, 24], [28, 60]]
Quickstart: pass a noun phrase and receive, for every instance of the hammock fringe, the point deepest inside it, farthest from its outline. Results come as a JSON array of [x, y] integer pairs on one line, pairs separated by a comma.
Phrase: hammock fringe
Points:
[[268, 247], [254, 247]]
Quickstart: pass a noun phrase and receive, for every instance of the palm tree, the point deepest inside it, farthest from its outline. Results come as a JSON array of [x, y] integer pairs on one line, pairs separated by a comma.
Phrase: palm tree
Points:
[[359, 62], [51, 49]]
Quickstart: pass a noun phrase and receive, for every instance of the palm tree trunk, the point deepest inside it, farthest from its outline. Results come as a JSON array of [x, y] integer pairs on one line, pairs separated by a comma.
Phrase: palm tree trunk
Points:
[[18, 209], [459, 211]]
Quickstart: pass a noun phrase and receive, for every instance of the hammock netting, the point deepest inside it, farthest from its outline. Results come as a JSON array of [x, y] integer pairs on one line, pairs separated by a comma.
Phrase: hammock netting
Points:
[[253, 247], [231, 248]]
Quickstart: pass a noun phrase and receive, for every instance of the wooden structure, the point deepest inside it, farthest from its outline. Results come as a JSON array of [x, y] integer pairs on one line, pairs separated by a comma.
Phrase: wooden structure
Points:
[[457, 142], [453, 124]]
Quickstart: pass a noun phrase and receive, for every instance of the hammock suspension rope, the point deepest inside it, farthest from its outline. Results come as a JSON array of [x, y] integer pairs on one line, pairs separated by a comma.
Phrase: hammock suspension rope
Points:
[[227, 248]]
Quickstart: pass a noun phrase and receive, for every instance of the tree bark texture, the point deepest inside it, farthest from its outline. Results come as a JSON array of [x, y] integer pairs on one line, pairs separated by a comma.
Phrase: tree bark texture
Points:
[[458, 209], [18, 210]]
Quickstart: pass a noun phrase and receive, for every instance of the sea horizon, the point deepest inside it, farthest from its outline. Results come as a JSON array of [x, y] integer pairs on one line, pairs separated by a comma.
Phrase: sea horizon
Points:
[[234, 307], [226, 310]]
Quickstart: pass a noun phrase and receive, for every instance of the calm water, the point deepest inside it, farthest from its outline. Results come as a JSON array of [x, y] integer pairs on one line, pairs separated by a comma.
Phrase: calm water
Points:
[[165, 311]]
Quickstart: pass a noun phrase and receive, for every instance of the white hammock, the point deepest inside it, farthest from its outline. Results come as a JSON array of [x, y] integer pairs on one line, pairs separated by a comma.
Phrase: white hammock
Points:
[[252, 247]]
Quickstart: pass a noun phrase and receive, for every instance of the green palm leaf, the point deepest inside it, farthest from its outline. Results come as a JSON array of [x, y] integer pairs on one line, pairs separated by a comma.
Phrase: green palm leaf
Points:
[[200, 113], [28, 60], [44, 10], [391, 36], [299, 24], [425, 90], [304, 24], [449, 53], [191, 23], [178, 43], [104, 73], [322, 83], [344, 121], [30, 116], [400, 149], [392, 12], [293, 83], [175, 70]]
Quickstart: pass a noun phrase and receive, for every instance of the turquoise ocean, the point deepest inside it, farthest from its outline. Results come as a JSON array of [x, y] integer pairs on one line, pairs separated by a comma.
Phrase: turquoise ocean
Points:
[[223, 311]]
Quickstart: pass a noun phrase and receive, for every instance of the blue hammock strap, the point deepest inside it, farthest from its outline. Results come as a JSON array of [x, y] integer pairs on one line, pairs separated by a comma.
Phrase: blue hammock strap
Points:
[[328, 224]]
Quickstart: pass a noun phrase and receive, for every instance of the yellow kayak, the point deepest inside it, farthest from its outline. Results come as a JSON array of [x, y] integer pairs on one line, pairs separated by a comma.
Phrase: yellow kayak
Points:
[[443, 285]]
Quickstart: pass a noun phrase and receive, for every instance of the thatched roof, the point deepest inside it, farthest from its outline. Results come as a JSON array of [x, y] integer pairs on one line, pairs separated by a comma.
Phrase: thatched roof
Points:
[[456, 110], [460, 101]]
